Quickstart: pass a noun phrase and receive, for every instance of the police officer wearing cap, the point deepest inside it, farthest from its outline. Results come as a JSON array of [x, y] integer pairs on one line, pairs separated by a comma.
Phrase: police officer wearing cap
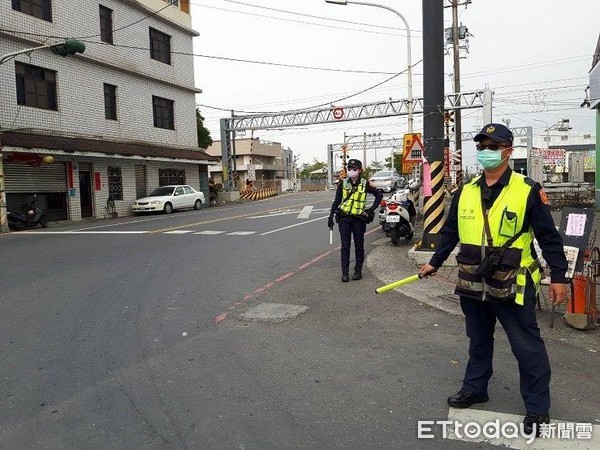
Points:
[[497, 215], [350, 204]]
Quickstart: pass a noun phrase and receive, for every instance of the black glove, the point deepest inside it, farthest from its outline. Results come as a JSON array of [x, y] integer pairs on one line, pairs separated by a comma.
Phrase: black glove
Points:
[[330, 222]]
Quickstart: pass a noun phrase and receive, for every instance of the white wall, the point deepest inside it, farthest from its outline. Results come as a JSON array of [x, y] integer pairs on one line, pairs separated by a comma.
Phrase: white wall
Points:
[[80, 78]]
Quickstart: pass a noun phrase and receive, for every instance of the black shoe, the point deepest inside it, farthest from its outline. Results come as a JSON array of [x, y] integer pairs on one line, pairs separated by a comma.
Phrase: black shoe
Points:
[[345, 278], [464, 399], [532, 422], [357, 275]]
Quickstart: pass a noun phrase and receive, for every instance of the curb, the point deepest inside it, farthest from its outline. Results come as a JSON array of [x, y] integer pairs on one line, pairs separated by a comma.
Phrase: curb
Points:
[[437, 291]]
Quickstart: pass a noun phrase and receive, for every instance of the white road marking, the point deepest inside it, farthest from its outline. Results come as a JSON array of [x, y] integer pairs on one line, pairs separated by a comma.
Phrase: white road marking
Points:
[[211, 232], [464, 416], [241, 233], [178, 232], [291, 211], [291, 226], [85, 232], [273, 214], [305, 213]]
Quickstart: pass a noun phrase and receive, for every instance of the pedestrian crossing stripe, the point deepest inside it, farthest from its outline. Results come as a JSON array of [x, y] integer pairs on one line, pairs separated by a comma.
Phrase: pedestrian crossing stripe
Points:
[[210, 232], [241, 233]]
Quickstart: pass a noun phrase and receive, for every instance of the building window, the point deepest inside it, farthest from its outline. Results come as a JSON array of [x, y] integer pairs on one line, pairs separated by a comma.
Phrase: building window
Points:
[[36, 86], [168, 177], [162, 110], [115, 183], [564, 138], [110, 101], [106, 24], [160, 46], [42, 9], [173, 2]]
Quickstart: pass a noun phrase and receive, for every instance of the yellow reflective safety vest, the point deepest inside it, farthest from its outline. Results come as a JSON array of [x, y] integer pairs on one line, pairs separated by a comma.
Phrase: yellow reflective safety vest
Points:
[[353, 197], [506, 220]]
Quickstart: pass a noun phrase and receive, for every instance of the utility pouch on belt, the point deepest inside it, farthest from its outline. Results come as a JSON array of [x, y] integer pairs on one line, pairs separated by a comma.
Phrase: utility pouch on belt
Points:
[[490, 263]]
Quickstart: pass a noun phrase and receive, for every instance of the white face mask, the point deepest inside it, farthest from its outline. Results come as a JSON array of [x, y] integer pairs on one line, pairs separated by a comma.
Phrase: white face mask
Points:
[[353, 173]]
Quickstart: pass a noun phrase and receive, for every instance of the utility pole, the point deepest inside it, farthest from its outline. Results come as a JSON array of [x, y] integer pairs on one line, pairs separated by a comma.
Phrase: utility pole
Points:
[[364, 150], [344, 157], [433, 118], [457, 117]]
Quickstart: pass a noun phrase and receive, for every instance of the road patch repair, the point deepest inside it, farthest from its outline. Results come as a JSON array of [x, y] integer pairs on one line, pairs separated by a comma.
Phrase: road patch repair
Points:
[[273, 312]]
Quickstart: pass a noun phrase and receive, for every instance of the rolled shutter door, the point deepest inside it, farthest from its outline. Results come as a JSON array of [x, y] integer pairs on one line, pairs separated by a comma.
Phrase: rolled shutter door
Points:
[[25, 178]]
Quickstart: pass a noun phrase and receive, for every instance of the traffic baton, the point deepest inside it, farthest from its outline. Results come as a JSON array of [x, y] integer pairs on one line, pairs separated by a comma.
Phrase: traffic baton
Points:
[[330, 237], [395, 284]]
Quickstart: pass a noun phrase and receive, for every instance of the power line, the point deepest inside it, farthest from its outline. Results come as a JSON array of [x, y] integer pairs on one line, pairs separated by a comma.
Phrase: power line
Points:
[[224, 58], [317, 17], [314, 106], [129, 24], [303, 22]]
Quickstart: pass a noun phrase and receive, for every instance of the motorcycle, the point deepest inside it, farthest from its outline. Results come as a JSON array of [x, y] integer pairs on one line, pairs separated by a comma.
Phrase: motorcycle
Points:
[[397, 215], [32, 217]]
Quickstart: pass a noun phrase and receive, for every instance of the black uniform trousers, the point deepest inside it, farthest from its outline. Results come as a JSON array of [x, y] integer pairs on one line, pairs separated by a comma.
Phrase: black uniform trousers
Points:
[[526, 343], [352, 227]]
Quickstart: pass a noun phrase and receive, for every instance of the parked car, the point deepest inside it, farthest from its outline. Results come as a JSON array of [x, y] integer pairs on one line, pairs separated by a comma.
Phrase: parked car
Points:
[[169, 198], [387, 180]]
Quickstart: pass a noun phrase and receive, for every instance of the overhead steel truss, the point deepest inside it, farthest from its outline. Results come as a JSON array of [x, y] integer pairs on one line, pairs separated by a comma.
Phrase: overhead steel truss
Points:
[[331, 114], [398, 143]]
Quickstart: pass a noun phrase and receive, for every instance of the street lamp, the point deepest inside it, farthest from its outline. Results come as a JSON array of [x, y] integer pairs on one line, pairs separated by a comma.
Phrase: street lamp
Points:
[[408, 52]]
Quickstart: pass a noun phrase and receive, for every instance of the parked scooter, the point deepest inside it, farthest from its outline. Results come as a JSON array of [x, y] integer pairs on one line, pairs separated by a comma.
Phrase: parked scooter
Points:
[[32, 217], [397, 215]]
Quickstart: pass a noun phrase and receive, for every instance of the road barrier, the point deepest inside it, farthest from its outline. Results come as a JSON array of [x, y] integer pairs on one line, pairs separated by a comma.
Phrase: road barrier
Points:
[[258, 194]]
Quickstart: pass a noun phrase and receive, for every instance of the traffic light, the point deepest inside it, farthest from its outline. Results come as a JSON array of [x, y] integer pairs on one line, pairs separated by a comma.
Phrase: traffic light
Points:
[[69, 47], [448, 117]]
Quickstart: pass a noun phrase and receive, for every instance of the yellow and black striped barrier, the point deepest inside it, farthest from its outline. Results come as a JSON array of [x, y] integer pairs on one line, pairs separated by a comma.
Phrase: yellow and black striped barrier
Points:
[[433, 209], [258, 194]]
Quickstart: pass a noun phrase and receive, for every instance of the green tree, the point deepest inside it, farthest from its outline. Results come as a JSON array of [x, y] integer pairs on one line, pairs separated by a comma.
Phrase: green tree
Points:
[[397, 162], [204, 139], [306, 169]]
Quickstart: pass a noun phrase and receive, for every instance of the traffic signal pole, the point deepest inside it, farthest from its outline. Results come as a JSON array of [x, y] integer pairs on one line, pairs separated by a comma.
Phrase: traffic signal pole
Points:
[[433, 118]]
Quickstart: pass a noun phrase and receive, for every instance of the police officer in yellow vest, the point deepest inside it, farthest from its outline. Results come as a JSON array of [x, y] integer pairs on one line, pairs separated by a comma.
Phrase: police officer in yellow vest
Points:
[[350, 203], [495, 217]]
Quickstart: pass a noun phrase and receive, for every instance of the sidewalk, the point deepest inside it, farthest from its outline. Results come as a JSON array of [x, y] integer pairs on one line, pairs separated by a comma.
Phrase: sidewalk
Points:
[[389, 263]]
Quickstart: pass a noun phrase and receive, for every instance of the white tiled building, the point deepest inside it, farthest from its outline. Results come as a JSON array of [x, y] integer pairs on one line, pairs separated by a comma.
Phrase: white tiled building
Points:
[[119, 118]]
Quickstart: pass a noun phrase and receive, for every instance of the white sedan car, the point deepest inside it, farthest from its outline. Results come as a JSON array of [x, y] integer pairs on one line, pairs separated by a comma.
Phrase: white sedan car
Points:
[[387, 180], [169, 198]]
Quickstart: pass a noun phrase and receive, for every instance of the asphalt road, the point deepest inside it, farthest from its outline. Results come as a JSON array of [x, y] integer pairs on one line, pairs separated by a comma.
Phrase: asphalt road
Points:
[[126, 333]]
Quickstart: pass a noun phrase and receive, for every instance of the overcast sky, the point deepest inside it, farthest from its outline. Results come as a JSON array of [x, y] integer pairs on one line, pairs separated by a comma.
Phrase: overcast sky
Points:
[[535, 55]]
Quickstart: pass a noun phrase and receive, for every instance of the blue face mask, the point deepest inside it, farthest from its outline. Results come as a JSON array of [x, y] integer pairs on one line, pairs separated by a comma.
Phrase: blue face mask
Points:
[[489, 159]]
